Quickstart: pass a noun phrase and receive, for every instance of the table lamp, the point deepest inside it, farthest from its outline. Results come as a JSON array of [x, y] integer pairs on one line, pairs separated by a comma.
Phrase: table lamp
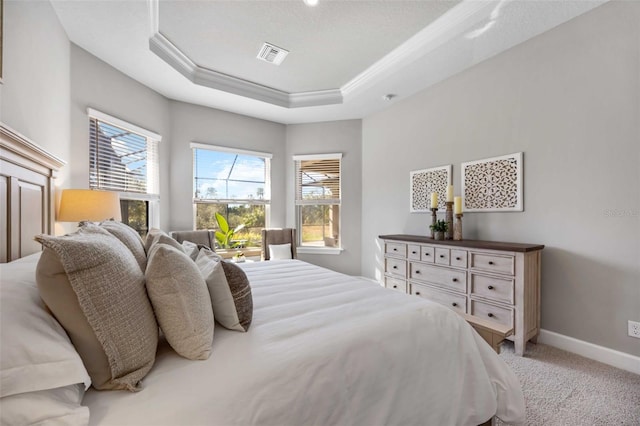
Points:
[[87, 204]]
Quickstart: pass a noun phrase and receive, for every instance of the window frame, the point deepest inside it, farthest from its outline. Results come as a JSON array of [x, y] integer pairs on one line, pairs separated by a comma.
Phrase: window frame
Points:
[[266, 201], [304, 249], [152, 198]]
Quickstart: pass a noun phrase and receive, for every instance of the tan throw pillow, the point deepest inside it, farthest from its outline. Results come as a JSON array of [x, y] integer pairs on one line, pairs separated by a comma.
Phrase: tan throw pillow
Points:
[[229, 290], [156, 236], [130, 238], [180, 299], [95, 288]]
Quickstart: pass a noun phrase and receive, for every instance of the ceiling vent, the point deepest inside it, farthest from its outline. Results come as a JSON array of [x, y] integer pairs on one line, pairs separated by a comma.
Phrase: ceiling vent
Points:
[[272, 54]]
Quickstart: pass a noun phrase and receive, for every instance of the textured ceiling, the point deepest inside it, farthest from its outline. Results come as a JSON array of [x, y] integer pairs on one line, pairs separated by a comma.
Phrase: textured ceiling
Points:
[[329, 44], [122, 34]]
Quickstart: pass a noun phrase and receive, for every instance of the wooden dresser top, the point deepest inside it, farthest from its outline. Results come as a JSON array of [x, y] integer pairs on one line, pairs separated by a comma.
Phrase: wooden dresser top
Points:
[[478, 244]]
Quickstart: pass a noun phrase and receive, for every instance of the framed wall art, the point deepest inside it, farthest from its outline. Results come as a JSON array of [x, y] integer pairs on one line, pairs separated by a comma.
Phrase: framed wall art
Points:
[[423, 182], [493, 184]]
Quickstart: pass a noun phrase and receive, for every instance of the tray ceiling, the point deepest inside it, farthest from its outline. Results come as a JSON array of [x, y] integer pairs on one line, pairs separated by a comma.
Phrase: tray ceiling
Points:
[[345, 56]]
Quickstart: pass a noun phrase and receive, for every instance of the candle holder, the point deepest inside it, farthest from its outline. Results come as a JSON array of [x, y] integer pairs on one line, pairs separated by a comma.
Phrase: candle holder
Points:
[[433, 221], [457, 228], [449, 219]]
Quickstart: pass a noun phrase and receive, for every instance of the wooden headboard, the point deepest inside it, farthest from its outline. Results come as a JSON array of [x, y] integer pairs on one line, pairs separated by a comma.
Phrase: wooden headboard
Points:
[[27, 174]]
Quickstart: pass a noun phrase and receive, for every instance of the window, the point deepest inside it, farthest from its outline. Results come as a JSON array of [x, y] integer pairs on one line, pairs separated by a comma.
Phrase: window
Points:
[[235, 184], [318, 200], [124, 158]]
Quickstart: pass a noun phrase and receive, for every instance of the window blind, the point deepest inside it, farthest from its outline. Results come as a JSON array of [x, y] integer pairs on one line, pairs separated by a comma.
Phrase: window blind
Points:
[[318, 179], [121, 160]]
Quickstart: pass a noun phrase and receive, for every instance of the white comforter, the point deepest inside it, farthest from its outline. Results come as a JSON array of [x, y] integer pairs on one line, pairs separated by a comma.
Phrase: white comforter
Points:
[[325, 349]]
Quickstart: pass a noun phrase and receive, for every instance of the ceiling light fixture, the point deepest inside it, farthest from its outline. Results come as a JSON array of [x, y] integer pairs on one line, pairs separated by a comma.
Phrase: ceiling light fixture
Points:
[[388, 97], [311, 3], [272, 54]]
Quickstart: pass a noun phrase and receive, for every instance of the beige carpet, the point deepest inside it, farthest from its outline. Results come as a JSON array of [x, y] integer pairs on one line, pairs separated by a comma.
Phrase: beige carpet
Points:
[[561, 388]]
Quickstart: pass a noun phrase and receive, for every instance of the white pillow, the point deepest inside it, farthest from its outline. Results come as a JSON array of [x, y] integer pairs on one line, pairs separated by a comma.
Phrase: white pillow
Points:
[[279, 251], [36, 353], [191, 249], [60, 406]]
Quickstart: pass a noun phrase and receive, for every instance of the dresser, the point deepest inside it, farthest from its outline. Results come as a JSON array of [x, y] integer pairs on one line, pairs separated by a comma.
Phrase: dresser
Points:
[[489, 280]]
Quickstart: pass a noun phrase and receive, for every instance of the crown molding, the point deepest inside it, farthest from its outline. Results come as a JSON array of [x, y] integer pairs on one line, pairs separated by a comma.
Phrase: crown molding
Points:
[[173, 56], [451, 24]]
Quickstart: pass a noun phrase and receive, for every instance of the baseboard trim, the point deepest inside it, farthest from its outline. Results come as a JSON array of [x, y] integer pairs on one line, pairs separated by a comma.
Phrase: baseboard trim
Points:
[[608, 356]]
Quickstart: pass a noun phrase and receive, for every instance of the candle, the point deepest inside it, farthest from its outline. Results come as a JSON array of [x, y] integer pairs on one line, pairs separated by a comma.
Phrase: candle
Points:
[[434, 200], [449, 193], [457, 205]]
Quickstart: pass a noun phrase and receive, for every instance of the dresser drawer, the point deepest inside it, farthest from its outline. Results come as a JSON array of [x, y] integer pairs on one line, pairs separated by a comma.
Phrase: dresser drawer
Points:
[[450, 278], [395, 267], [458, 258], [493, 263], [395, 249], [442, 256], [453, 301], [494, 288], [395, 284], [428, 254], [413, 252], [492, 312]]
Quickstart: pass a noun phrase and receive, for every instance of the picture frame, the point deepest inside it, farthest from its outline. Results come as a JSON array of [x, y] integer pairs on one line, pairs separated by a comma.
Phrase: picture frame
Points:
[[493, 184], [423, 182]]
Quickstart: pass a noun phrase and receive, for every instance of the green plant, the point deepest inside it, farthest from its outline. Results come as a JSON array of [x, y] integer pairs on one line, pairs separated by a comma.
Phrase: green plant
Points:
[[224, 234], [439, 226]]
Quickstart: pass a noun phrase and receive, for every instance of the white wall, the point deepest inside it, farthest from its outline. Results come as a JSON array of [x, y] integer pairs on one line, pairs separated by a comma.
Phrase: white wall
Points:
[[192, 123], [569, 99], [34, 96], [330, 137], [98, 85]]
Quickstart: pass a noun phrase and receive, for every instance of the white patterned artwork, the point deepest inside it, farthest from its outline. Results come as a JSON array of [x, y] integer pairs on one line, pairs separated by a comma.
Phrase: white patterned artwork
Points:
[[423, 182], [493, 184]]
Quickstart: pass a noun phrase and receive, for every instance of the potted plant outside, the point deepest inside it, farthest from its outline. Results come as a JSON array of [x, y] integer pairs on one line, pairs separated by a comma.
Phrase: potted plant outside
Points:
[[439, 229]]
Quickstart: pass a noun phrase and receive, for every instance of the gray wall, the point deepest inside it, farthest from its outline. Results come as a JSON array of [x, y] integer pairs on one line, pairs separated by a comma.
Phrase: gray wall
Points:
[[98, 85], [192, 123], [34, 96], [330, 137], [570, 100]]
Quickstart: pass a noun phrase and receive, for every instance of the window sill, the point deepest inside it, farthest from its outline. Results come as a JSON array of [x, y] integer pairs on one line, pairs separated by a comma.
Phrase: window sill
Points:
[[319, 250]]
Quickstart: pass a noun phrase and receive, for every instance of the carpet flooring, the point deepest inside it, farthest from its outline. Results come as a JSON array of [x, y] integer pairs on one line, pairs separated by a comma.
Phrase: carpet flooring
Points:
[[564, 389]]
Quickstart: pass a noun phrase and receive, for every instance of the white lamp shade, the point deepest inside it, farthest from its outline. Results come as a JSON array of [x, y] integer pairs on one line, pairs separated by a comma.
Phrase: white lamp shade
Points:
[[86, 204]]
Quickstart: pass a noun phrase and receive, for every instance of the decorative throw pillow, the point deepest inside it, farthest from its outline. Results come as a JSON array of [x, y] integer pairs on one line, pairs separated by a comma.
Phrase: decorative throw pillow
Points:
[[156, 236], [180, 299], [130, 238], [95, 288], [191, 249], [229, 290], [279, 251]]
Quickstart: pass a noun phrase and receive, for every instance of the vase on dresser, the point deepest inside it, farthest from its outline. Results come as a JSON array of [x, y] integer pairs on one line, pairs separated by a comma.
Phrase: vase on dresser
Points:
[[493, 281]]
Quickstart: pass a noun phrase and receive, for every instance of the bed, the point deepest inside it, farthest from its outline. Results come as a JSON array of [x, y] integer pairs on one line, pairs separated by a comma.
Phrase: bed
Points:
[[324, 349]]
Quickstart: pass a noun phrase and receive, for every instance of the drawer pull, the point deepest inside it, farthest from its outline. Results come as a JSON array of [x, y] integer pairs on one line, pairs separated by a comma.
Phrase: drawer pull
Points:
[[426, 254], [417, 293], [457, 258], [395, 267], [490, 315], [395, 286], [490, 263], [417, 272], [490, 287], [455, 280], [413, 252], [454, 304], [442, 256], [395, 249]]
